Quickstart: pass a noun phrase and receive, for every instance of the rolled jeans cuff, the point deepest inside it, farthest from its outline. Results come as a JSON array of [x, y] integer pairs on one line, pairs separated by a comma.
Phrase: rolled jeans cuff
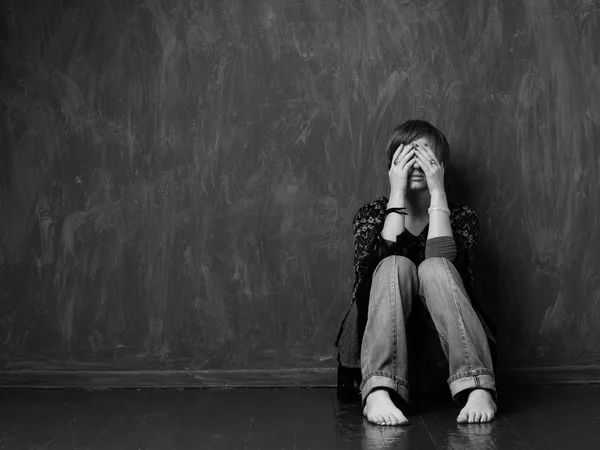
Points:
[[380, 379], [472, 379]]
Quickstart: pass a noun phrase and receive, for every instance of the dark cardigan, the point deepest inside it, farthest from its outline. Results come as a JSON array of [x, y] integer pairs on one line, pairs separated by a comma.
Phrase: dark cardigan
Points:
[[370, 249]]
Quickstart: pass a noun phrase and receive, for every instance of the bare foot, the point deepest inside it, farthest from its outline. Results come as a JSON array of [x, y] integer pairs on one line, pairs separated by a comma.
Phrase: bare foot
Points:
[[480, 408], [380, 409]]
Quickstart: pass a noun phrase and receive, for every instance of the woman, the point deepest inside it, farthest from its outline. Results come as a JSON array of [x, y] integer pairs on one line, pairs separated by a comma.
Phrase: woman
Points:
[[415, 244]]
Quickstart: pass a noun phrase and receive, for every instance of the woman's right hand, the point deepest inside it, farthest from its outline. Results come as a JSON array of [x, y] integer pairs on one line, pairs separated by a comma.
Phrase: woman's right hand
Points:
[[401, 164]]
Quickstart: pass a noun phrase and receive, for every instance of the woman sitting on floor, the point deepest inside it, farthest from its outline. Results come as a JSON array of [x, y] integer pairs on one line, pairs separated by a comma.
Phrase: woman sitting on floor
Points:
[[416, 244]]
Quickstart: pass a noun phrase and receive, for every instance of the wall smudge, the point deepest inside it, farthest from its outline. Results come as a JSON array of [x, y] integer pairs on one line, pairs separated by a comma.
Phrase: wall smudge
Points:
[[178, 178]]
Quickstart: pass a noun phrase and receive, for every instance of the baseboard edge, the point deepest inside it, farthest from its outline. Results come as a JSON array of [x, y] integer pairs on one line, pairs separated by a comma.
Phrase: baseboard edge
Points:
[[259, 378]]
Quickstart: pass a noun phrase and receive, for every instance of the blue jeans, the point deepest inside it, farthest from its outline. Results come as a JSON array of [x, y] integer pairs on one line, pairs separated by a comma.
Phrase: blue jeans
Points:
[[396, 283]]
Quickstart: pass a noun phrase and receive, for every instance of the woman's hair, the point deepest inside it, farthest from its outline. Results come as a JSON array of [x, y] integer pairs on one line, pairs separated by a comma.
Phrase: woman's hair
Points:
[[414, 129]]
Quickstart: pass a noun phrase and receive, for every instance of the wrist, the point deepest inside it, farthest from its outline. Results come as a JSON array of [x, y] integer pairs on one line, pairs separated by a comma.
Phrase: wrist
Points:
[[439, 198], [396, 199]]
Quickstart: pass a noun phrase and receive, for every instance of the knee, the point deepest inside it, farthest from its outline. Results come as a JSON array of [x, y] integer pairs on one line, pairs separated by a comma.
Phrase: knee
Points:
[[396, 264], [435, 269], [439, 274]]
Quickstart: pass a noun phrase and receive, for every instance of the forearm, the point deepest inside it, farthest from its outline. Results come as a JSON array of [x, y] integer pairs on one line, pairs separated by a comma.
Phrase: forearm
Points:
[[439, 239], [439, 221], [394, 223]]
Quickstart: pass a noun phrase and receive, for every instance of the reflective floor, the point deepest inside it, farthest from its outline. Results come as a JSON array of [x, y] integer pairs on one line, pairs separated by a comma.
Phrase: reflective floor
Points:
[[553, 417]]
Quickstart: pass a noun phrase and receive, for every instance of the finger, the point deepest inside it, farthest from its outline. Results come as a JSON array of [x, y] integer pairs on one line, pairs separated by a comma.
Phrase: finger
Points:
[[406, 152], [427, 157], [407, 160], [407, 149], [397, 152], [423, 162], [429, 153], [402, 148]]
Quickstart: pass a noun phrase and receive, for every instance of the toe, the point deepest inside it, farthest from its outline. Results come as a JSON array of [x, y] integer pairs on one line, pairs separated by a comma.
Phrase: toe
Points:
[[477, 417], [462, 417], [380, 420], [484, 417], [472, 417], [401, 420]]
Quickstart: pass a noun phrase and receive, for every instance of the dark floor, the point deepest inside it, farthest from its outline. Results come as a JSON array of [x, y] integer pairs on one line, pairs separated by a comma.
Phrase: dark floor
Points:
[[561, 417]]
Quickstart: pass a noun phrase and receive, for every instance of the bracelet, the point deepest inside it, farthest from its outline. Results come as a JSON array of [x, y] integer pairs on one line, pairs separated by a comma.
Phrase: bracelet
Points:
[[401, 211], [438, 208]]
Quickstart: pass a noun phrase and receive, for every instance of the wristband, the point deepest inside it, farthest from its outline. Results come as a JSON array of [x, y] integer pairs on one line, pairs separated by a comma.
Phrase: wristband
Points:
[[401, 211], [438, 208]]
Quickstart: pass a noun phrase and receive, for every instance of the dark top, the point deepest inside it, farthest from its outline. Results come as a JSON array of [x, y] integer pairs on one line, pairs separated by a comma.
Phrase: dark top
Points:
[[370, 248]]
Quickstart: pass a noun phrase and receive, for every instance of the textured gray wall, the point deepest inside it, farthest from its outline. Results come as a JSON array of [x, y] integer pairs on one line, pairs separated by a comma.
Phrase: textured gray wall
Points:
[[178, 178]]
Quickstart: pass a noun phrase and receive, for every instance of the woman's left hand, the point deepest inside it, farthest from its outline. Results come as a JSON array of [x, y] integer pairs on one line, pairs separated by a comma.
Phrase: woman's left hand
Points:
[[434, 171]]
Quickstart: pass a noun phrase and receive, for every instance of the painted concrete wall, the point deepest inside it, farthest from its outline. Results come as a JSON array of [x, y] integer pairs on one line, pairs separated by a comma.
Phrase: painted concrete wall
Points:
[[178, 178]]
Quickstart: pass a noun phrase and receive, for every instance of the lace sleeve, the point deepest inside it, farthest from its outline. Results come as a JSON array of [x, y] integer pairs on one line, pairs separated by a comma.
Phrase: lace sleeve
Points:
[[365, 232], [465, 227]]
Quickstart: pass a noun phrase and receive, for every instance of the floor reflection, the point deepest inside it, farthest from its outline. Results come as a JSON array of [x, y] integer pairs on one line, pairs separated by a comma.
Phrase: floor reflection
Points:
[[474, 435], [468, 436], [391, 437]]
